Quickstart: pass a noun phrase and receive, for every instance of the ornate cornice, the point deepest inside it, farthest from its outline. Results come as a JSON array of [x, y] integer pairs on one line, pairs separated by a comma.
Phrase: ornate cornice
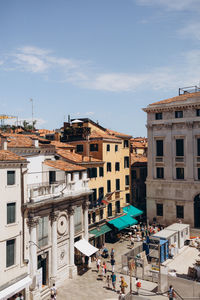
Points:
[[53, 216], [70, 211], [169, 107], [32, 221], [85, 205]]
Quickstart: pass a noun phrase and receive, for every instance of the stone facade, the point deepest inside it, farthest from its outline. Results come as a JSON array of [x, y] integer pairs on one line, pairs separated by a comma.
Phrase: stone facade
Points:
[[173, 182]]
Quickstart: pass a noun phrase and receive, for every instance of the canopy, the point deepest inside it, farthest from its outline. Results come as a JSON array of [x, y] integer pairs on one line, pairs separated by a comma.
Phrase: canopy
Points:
[[86, 248], [123, 222], [15, 288], [102, 230], [132, 211]]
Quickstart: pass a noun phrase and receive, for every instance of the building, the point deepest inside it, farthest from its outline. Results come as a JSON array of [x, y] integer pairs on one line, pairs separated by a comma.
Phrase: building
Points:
[[109, 170], [14, 271], [139, 173], [55, 213], [173, 189]]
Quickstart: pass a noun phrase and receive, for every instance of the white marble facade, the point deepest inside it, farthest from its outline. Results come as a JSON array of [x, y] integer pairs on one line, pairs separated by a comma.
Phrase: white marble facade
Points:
[[174, 192]]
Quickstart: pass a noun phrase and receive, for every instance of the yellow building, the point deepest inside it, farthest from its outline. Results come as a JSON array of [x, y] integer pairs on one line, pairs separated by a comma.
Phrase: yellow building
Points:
[[108, 167]]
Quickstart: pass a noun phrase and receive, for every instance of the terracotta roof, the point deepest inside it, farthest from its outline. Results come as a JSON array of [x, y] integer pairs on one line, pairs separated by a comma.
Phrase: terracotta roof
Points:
[[138, 158], [117, 134], [15, 140], [45, 131], [63, 165], [62, 145], [183, 97], [138, 145], [77, 158], [106, 135], [10, 156]]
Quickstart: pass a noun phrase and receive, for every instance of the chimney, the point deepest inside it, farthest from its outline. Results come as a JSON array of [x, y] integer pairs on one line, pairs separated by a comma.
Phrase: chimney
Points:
[[4, 144], [35, 142]]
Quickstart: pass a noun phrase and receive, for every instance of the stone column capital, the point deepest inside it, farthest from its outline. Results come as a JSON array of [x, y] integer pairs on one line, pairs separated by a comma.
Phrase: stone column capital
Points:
[[70, 211], [32, 221], [53, 216], [85, 205]]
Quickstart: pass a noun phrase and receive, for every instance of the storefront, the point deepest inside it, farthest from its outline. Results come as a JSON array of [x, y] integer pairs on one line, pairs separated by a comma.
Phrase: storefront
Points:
[[99, 233]]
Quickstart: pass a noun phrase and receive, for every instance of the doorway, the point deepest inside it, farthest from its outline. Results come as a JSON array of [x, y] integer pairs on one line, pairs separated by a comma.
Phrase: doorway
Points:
[[197, 211], [42, 263]]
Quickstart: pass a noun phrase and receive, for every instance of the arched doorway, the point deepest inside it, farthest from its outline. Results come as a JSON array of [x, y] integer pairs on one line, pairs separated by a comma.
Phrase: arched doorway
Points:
[[197, 211]]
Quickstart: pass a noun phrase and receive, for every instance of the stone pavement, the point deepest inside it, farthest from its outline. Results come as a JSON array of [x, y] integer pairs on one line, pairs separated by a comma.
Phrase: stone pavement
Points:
[[88, 285]]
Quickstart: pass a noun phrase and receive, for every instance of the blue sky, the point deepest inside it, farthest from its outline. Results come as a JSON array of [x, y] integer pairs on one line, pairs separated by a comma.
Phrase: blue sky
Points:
[[101, 59]]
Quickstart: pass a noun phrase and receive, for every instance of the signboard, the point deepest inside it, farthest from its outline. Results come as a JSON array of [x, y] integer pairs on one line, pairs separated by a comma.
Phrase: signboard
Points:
[[39, 278], [155, 267]]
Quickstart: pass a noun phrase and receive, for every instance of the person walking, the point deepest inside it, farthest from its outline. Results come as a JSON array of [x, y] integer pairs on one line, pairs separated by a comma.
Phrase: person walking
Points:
[[123, 285], [112, 252], [171, 293], [53, 291], [108, 281], [105, 268], [132, 240], [112, 262], [113, 278], [98, 263], [137, 285]]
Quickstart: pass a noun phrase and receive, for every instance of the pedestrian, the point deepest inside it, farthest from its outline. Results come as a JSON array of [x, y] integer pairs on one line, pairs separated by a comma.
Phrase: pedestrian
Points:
[[98, 263], [102, 271], [104, 266], [123, 285], [112, 252], [138, 285], [113, 278], [108, 281], [53, 291], [112, 261], [132, 240], [138, 237], [171, 293]]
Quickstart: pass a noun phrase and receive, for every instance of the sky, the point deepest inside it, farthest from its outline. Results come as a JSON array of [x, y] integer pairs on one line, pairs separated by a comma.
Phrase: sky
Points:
[[98, 59]]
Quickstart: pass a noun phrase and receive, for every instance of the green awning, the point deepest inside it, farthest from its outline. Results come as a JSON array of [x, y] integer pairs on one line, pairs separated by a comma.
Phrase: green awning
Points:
[[123, 222], [132, 211], [103, 229], [118, 223]]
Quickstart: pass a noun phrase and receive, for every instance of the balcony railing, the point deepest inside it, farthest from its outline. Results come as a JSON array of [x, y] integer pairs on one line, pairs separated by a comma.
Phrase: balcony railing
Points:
[[159, 159], [41, 191], [179, 159]]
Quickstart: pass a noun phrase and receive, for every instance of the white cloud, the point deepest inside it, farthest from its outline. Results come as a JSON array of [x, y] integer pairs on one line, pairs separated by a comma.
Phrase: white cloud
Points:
[[177, 5], [191, 30], [30, 63]]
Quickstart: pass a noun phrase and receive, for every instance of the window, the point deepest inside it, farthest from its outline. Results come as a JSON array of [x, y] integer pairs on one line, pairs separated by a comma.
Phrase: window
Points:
[[93, 217], [10, 177], [101, 194], [198, 147], [198, 112], [126, 162], [179, 173], [117, 166], [94, 147], [159, 209], [180, 211], [178, 114], [109, 209], [117, 207], [126, 179], [108, 148], [79, 148], [108, 167], [10, 253], [108, 186], [77, 218], [117, 184], [116, 148], [101, 171], [52, 177], [160, 173], [43, 232], [159, 148], [72, 176], [10, 213], [92, 172], [127, 198], [158, 116], [101, 214], [198, 173], [94, 198], [126, 144], [80, 175], [179, 147]]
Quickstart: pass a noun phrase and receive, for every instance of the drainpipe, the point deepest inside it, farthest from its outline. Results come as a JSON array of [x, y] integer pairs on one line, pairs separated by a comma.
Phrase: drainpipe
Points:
[[22, 210]]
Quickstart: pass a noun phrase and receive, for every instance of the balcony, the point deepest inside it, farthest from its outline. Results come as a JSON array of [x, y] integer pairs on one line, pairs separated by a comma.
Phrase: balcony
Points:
[[179, 159], [44, 190], [159, 159]]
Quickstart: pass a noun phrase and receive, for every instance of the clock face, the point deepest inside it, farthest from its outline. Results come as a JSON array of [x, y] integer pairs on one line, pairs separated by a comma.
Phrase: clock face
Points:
[[62, 225]]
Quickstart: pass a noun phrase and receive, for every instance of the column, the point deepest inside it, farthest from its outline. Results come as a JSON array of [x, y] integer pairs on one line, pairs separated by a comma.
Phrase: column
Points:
[[54, 256], [71, 235], [32, 223], [85, 218]]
